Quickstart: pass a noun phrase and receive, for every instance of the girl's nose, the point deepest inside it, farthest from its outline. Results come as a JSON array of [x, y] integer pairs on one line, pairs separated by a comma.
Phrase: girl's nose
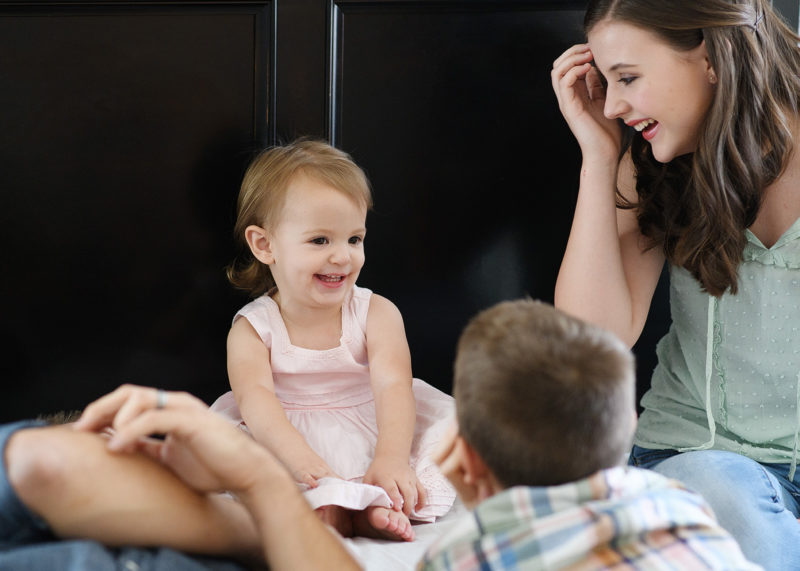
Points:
[[615, 106], [339, 254]]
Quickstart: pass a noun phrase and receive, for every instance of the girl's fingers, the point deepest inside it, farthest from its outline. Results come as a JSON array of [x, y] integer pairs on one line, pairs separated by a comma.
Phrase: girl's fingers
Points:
[[309, 480], [410, 499], [569, 63], [572, 93], [398, 503], [573, 50], [567, 77], [595, 84], [565, 84]]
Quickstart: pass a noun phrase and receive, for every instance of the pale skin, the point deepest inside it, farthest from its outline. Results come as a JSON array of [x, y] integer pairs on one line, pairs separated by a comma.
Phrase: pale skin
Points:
[[315, 253], [646, 80]]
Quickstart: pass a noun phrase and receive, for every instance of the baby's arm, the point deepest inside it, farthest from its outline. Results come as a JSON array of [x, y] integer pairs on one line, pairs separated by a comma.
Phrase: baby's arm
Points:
[[390, 374], [251, 380]]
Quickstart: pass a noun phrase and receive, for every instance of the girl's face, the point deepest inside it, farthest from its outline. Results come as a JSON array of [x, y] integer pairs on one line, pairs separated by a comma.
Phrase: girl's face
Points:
[[317, 246], [659, 91]]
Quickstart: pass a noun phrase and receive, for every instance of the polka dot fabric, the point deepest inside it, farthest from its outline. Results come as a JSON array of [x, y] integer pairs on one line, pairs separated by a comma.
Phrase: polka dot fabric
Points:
[[756, 360]]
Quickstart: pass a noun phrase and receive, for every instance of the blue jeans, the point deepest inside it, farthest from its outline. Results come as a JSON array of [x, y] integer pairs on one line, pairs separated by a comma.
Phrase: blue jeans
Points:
[[26, 541], [756, 503]]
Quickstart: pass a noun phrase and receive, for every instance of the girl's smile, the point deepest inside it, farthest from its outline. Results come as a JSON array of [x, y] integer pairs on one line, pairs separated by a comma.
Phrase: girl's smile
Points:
[[647, 127], [331, 281]]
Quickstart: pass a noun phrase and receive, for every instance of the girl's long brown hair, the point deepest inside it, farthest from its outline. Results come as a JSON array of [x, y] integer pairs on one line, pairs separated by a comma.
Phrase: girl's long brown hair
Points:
[[697, 206]]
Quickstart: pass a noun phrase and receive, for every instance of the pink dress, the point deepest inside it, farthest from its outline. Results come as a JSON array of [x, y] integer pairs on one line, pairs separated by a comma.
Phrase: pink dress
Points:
[[328, 398]]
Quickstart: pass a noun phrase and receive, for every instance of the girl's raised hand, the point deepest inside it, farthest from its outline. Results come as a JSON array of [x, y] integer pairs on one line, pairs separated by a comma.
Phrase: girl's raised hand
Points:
[[580, 91], [398, 479]]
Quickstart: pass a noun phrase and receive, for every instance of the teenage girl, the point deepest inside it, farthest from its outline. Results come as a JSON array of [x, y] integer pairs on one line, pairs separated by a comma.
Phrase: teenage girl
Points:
[[707, 95]]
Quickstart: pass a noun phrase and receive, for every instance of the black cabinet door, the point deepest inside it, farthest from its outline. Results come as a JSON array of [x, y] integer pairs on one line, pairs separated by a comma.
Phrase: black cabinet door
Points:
[[124, 131]]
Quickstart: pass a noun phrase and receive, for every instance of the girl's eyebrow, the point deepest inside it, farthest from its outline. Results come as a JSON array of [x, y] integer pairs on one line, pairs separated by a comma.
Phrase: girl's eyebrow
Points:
[[617, 66]]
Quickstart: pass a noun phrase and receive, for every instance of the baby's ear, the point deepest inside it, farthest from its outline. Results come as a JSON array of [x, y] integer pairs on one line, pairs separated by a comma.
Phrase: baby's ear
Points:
[[259, 242]]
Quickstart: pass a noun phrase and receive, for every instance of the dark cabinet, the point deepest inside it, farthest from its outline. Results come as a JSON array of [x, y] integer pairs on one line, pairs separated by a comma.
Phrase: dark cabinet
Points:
[[125, 128]]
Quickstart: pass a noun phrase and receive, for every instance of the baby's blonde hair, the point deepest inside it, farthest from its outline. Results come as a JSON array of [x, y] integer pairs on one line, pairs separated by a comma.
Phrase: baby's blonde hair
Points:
[[263, 194]]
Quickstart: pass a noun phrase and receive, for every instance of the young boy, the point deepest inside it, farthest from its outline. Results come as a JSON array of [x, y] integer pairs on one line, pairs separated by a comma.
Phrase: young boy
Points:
[[546, 412]]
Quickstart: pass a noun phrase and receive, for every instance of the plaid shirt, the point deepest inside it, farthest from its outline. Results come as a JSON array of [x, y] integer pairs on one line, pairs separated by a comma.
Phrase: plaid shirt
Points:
[[621, 518]]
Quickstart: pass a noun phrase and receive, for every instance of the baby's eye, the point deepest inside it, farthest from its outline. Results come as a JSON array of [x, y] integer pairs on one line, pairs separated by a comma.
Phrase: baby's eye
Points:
[[319, 241], [355, 239], [626, 80]]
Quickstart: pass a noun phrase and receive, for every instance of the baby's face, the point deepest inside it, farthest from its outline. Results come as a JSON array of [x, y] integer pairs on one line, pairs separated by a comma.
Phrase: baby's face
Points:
[[317, 245]]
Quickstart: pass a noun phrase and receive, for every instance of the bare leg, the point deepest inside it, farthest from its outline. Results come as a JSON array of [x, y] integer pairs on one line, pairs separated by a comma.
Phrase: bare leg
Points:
[[82, 490], [338, 518]]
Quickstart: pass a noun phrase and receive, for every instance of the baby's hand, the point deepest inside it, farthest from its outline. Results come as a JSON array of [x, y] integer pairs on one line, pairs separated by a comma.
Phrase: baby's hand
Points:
[[398, 479], [307, 468]]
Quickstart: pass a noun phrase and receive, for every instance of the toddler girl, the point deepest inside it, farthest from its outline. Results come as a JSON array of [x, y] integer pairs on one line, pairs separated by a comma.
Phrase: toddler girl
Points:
[[319, 368]]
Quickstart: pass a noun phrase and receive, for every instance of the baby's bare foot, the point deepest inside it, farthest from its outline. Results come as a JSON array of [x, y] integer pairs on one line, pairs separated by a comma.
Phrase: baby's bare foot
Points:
[[383, 523]]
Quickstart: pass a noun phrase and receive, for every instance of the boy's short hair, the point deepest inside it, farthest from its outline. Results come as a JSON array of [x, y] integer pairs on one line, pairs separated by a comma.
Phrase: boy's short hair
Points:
[[544, 398]]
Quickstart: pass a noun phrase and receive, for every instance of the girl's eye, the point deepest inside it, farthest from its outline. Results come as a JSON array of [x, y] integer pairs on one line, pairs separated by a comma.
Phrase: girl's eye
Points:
[[319, 241], [626, 80], [355, 239]]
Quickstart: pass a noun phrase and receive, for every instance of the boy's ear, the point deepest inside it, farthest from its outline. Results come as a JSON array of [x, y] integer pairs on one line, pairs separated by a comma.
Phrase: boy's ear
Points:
[[473, 480], [259, 243], [473, 464]]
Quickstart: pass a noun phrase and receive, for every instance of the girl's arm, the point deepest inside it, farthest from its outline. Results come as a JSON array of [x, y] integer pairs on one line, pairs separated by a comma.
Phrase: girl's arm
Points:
[[607, 276], [390, 374], [251, 381]]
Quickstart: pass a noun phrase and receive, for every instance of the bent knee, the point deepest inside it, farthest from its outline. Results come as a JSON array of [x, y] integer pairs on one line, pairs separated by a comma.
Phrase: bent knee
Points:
[[721, 477], [41, 462]]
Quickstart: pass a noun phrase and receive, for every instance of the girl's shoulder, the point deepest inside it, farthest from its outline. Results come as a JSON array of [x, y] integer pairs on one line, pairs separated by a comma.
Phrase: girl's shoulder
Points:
[[357, 306], [262, 314], [361, 294], [263, 304]]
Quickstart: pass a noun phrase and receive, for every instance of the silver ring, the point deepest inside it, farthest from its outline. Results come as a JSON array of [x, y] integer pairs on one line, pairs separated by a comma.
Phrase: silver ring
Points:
[[161, 398]]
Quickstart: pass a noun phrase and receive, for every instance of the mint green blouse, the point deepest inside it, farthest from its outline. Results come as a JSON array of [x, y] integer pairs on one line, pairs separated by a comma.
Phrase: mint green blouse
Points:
[[728, 373]]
